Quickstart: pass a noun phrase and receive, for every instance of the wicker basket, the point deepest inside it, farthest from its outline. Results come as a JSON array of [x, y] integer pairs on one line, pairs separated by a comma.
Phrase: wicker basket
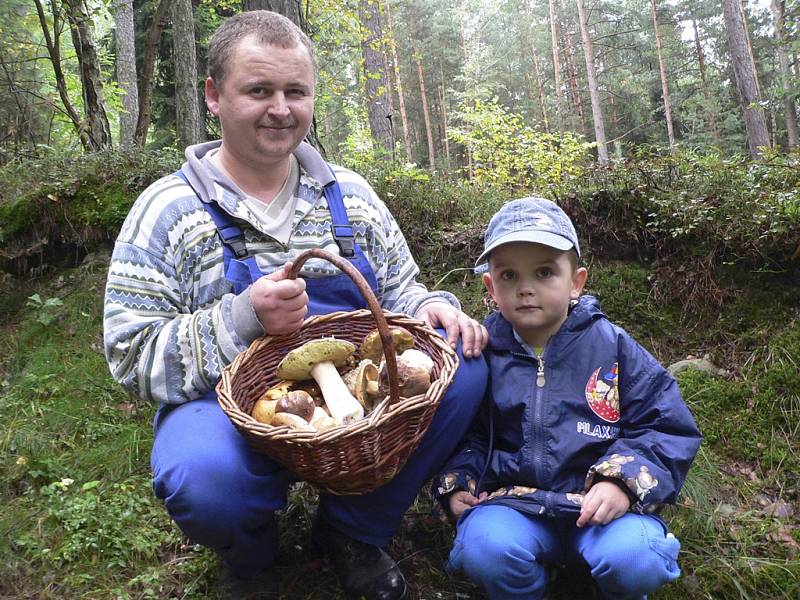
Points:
[[349, 459]]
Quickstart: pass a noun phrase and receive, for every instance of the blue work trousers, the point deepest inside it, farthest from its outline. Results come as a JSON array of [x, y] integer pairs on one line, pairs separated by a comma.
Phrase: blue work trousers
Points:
[[224, 496], [507, 552]]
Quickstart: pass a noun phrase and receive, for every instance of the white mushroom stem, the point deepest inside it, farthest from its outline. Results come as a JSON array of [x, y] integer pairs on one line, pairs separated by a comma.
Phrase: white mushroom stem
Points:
[[344, 408]]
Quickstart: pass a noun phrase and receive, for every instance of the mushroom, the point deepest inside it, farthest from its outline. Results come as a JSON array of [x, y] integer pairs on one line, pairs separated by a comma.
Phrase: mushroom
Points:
[[417, 358], [372, 346], [414, 370], [277, 391], [285, 419], [319, 359], [322, 421], [298, 403], [264, 410], [363, 383]]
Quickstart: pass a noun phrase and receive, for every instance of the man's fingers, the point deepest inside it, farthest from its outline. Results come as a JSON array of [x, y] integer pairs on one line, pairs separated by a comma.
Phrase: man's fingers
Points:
[[280, 274]]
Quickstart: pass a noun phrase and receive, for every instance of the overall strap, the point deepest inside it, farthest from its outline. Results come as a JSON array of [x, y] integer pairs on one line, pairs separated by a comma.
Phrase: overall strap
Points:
[[231, 234], [340, 225]]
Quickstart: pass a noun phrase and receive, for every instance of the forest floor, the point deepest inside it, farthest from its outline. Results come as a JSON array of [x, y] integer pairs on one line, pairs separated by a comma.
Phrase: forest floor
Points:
[[79, 519]]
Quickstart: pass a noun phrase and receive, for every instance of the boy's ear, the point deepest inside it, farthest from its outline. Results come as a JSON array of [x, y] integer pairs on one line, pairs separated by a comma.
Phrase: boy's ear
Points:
[[578, 281], [488, 284]]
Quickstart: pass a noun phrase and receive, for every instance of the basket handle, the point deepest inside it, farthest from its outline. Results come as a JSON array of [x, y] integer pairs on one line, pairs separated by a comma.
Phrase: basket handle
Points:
[[372, 302]]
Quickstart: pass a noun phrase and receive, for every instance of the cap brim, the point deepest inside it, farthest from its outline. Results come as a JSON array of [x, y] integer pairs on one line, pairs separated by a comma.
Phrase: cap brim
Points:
[[535, 237]]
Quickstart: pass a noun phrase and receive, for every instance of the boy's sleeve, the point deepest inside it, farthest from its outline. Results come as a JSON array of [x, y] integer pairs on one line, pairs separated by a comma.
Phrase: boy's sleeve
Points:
[[464, 468], [658, 437]]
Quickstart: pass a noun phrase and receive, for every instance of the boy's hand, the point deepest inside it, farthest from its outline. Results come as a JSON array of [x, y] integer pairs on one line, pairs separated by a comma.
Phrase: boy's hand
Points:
[[462, 500], [280, 304], [474, 336], [603, 503]]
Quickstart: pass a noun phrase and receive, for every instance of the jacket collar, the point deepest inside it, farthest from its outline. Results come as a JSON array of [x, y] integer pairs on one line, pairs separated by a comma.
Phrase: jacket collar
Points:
[[582, 315]]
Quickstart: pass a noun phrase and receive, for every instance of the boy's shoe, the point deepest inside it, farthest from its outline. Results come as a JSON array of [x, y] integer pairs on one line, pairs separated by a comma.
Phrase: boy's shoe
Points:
[[366, 572], [262, 586]]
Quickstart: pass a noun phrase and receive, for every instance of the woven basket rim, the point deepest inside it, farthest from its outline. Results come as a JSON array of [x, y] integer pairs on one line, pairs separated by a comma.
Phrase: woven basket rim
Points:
[[380, 414]]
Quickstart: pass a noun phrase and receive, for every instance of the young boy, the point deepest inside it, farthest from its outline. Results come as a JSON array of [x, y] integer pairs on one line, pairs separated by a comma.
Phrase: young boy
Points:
[[583, 435]]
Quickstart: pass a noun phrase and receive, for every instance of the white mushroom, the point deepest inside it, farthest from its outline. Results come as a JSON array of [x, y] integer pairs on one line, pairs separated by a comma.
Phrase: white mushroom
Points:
[[319, 359]]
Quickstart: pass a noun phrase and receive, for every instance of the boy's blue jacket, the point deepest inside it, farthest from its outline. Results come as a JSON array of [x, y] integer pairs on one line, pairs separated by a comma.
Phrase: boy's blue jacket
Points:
[[607, 410]]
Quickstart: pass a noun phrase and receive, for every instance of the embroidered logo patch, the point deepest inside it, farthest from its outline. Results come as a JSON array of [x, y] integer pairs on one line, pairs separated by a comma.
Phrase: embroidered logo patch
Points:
[[602, 393]]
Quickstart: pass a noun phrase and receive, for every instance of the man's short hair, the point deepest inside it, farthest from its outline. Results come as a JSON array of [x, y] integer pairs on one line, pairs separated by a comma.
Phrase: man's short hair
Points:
[[267, 27]]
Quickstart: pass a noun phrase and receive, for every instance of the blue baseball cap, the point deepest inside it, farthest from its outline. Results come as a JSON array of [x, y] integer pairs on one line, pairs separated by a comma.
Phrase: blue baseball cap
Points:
[[534, 220]]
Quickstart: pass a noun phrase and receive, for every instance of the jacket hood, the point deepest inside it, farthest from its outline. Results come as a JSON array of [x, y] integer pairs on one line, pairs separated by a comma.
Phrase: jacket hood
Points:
[[203, 179], [584, 312]]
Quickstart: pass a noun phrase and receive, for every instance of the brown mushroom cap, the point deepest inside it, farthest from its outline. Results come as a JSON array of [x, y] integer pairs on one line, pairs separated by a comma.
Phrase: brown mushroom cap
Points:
[[297, 364], [298, 403], [372, 346], [411, 379]]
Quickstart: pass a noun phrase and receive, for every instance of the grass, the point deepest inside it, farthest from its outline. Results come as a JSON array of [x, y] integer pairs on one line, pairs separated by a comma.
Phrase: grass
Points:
[[79, 519]]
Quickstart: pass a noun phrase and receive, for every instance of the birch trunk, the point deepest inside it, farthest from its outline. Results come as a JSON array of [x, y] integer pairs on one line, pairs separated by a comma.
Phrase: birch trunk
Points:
[[662, 69], [746, 78], [594, 95]]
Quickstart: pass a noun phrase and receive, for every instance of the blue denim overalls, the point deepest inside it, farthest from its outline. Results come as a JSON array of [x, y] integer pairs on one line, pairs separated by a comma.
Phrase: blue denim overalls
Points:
[[223, 495]]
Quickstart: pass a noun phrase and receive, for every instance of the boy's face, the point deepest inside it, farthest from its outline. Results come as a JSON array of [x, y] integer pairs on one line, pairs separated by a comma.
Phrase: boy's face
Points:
[[532, 285]]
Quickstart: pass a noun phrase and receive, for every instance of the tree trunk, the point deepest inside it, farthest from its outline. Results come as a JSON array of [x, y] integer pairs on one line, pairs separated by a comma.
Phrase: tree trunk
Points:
[[374, 76], [746, 78], [572, 70], [188, 126], [425, 111], [556, 64], [53, 44], [97, 129], [126, 71], [701, 63], [443, 102], [146, 74], [594, 94], [399, 82], [538, 81], [662, 69], [290, 9], [614, 121], [778, 11]]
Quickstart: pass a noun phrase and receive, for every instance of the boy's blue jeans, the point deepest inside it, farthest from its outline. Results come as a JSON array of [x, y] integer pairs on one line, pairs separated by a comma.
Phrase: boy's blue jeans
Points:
[[223, 495], [506, 552]]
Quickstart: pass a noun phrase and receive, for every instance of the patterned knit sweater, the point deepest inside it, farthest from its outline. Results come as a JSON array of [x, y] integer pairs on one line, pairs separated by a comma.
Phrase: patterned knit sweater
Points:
[[171, 321]]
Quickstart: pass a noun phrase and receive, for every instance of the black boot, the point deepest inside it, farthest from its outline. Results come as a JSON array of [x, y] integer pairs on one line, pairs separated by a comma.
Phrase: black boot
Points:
[[366, 572]]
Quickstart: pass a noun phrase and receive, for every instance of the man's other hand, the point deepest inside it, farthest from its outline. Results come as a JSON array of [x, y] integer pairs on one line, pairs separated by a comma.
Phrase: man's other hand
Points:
[[474, 336]]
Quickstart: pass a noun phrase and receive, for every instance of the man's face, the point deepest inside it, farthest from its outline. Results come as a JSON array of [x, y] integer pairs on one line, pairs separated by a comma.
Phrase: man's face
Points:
[[265, 104], [532, 285]]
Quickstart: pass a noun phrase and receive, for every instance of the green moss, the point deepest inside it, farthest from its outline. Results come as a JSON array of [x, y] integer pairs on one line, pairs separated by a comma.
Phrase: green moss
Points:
[[104, 206]]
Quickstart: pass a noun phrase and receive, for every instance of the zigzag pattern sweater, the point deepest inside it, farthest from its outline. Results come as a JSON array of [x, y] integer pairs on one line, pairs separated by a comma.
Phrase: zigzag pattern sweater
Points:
[[171, 321]]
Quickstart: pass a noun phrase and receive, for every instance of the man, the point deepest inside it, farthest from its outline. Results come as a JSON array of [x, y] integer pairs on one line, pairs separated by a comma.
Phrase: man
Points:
[[199, 272]]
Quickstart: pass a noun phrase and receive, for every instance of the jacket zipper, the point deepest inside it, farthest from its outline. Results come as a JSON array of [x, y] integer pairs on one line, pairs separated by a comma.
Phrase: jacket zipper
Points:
[[538, 449]]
